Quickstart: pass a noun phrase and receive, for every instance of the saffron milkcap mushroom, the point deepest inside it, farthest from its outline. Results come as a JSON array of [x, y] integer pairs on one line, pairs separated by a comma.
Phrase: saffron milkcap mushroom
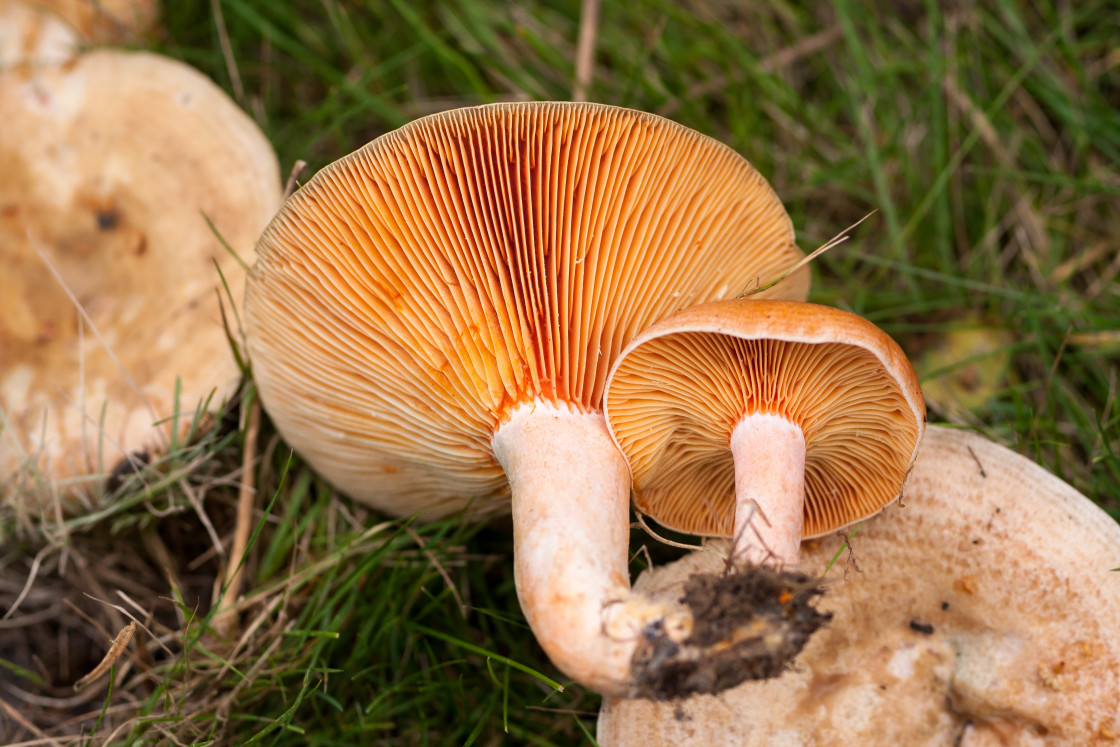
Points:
[[431, 320], [984, 614], [109, 297], [768, 421]]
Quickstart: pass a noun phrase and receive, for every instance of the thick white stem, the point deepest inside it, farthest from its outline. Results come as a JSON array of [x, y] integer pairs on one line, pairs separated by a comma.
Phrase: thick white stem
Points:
[[571, 496], [769, 456]]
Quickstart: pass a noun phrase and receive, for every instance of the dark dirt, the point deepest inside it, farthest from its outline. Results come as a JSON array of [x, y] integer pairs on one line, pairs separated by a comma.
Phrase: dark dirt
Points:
[[749, 625], [129, 465]]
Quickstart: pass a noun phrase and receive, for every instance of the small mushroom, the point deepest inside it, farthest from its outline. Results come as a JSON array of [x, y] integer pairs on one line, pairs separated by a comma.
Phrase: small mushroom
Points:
[[110, 329], [432, 318], [766, 421], [985, 613]]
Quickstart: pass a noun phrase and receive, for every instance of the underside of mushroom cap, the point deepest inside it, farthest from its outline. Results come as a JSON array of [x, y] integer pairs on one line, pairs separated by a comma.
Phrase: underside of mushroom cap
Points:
[[678, 391], [416, 292], [114, 164], [983, 612]]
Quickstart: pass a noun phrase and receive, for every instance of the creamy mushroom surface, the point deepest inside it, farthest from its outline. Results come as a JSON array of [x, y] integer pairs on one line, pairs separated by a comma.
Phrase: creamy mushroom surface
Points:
[[981, 612], [50, 32], [110, 321]]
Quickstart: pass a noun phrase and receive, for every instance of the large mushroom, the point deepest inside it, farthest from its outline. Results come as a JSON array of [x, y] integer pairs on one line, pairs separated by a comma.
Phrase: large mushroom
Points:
[[111, 336], [766, 421], [983, 613], [432, 318]]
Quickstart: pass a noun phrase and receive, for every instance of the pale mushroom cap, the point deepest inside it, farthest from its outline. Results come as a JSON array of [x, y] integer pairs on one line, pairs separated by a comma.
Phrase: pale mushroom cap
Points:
[[111, 167], [43, 32], [30, 34], [107, 21], [983, 612], [414, 293], [680, 388]]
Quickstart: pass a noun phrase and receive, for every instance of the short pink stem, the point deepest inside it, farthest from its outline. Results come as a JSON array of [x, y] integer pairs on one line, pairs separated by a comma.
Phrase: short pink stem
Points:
[[769, 456]]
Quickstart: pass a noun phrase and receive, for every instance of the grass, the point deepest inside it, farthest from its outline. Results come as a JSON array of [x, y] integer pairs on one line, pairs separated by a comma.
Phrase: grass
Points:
[[986, 138]]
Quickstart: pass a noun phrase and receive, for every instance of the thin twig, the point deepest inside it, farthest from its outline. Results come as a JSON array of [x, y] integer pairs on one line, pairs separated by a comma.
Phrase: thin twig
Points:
[[293, 178], [15, 715], [203, 517], [227, 52], [1049, 383], [671, 543], [835, 241], [585, 48], [643, 550], [851, 561], [735, 551], [439, 567], [30, 580], [770, 64], [977, 460], [803, 48], [225, 621], [143, 626], [35, 244], [263, 658], [273, 607]]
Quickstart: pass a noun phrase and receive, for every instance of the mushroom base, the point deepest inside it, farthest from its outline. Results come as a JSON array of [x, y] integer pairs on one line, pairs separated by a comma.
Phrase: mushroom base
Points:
[[746, 625], [571, 527]]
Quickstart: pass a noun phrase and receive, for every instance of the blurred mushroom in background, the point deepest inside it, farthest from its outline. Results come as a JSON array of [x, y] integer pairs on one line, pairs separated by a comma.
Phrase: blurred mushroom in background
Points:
[[48, 32], [111, 334]]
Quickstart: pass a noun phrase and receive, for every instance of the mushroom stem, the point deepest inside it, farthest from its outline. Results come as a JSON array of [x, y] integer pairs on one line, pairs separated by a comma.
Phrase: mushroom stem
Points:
[[769, 454], [571, 496]]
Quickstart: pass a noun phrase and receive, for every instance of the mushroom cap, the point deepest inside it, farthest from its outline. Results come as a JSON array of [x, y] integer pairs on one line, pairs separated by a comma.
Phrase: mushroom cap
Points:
[[112, 166], [30, 34], [106, 21], [417, 291], [982, 612], [39, 32], [677, 392]]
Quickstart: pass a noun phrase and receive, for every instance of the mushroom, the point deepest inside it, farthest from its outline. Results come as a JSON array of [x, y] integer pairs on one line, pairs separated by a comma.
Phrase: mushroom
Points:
[[431, 320], [106, 21], [767, 421], [45, 32], [32, 35], [983, 614], [110, 325]]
